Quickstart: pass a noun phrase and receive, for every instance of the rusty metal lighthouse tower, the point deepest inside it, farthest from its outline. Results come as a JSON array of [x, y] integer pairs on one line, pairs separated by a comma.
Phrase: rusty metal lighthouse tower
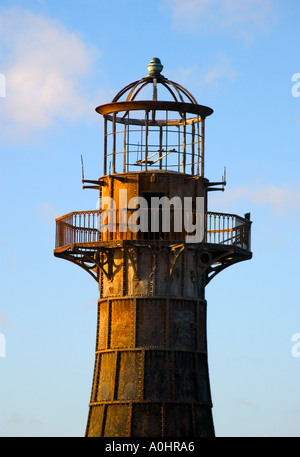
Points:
[[152, 246]]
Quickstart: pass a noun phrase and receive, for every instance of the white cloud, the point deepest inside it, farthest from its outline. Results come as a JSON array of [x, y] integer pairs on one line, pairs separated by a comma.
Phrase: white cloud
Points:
[[221, 70], [242, 17], [44, 65], [279, 199], [5, 321], [17, 418], [47, 212], [247, 404]]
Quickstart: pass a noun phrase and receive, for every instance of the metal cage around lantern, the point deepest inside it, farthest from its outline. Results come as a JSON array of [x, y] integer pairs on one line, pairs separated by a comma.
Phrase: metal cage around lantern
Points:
[[153, 135]]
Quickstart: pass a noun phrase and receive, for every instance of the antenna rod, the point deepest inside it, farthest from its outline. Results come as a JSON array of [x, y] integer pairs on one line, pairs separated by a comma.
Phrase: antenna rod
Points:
[[82, 169]]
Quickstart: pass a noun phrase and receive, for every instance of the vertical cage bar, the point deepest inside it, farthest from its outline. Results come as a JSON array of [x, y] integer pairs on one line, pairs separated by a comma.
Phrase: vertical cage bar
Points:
[[160, 145], [178, 142], [166, 158], [202, 147], [124, 149], [128, 146], [184, 143], [114, 144], [146, 138], [198, 145], [105, 145], [193, 149], [142, 143]]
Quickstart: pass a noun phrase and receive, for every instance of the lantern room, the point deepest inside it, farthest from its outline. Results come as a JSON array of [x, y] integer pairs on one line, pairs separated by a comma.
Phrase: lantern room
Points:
[[154, 124]]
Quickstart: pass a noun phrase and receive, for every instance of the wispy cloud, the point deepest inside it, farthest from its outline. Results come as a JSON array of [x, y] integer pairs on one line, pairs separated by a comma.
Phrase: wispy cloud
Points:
[[47, 212], [247, 404], [279, 199], [243, 18], [17, 418], [221, 70], [5, 321], [44, 66]]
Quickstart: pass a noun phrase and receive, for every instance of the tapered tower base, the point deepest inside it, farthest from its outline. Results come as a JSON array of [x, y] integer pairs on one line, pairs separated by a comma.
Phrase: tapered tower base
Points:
[[151, 373]]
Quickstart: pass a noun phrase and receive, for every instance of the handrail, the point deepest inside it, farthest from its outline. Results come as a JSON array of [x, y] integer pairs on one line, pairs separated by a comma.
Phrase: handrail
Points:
[[82, 228]]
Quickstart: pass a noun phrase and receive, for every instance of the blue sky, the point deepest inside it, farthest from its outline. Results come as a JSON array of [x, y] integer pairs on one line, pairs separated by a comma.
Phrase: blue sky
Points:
[[60, 60]]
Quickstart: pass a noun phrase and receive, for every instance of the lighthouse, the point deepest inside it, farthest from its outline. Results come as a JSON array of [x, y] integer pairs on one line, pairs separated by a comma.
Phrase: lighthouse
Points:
[[153, 246]]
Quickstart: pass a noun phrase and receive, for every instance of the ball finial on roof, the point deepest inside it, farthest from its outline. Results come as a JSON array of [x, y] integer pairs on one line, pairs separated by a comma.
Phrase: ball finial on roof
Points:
[[155, 67]]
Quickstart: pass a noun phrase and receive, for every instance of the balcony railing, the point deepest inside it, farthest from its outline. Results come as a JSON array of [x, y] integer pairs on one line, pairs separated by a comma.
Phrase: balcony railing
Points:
[[83, 228]]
